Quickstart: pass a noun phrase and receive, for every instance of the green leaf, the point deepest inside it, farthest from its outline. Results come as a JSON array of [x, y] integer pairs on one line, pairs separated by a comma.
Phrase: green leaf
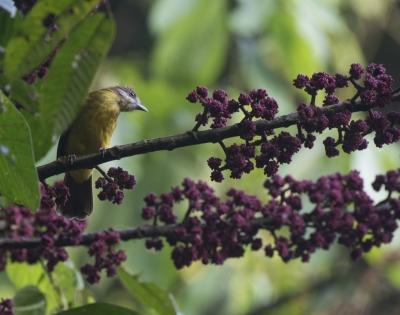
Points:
[[148, 294], [99, 309], [74, 68], [7, 25], [69, 280], [29, 301], [22, 94], [288, 45], [25, 95], [65, 277], [33, 41], [69, 78], [194, 48], [22, 274], [18, 176]]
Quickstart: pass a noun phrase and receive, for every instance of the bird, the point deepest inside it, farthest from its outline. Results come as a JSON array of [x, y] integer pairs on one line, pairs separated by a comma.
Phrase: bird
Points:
[[91, 132]]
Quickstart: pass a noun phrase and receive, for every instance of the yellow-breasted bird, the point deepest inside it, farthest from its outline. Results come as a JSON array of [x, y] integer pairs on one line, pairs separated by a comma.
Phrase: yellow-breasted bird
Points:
[[90, 132]]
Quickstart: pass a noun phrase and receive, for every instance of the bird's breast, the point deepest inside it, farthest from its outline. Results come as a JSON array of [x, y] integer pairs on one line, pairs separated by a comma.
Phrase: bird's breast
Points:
[[90, 133]]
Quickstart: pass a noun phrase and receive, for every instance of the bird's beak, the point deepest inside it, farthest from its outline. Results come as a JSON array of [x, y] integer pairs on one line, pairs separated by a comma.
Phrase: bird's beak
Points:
[[139, 106]]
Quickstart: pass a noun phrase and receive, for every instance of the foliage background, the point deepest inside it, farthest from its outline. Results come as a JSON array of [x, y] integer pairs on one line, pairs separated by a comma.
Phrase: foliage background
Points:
[[163, 48]]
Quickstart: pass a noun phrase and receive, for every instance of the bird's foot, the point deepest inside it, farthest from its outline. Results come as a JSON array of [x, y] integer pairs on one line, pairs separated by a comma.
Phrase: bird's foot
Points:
[[67, 160], [115, 152], [102, 152]]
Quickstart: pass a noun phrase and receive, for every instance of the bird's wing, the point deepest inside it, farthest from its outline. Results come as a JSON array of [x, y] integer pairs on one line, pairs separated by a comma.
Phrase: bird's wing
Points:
[[62, 143], [80, 201]]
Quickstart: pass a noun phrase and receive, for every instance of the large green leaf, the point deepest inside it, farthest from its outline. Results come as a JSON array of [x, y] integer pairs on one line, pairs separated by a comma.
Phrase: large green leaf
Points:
[[22, 274], [18, 176], [33, 41], [22, 94], [29, 301], [25, 95], [69, 78], [73, 70], [194, 48], [99, 309], [148, 294], [62, 289]]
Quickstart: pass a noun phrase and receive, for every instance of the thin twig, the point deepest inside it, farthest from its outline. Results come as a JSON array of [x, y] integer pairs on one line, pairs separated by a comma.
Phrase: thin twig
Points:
[[102, 172]]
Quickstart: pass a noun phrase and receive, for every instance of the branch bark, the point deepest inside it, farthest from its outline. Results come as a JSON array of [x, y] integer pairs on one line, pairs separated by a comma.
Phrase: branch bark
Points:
[[141, 232], [184, 139]]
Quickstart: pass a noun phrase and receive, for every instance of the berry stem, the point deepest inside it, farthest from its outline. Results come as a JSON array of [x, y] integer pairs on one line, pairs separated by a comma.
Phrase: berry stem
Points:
[[103, 173]]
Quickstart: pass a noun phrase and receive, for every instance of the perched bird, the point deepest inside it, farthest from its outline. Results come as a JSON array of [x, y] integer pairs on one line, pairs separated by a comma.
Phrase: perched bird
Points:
[[90, 132]]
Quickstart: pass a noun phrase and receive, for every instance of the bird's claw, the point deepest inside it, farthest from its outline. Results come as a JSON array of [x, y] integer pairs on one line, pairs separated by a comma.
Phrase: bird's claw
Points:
[[102, 152], [67, 160]]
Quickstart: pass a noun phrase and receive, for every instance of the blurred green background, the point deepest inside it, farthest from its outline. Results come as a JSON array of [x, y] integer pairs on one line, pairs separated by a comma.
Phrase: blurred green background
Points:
[[164, 48]]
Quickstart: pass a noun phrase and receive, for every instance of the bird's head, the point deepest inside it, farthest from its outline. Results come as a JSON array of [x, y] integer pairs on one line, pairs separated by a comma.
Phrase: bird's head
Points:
[[128, 100]]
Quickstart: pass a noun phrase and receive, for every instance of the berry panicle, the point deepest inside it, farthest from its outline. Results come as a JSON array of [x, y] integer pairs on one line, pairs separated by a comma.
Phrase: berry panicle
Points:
[[113, 184], [267, 149], [216, 229]]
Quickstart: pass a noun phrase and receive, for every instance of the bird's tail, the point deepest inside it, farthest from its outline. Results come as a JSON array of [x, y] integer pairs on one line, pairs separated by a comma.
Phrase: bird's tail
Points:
[[80, 201]]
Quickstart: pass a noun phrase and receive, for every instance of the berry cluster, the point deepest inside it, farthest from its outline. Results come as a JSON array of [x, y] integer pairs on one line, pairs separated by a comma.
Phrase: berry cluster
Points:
[[106, 257], [214, 230], [6, 307], [46, 223], [113, 183], [390, 182], [219, 108], [267, 149], [18, 222], [374, 88], [341, 210]]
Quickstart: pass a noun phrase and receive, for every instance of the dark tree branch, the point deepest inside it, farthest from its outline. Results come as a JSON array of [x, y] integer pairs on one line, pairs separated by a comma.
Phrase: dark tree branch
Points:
[[185, 139], [142, 232]]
